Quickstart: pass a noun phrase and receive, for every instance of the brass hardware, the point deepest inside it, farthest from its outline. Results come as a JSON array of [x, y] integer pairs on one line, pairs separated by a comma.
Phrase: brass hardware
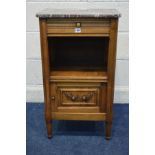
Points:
[[78, 24], [83, 98], [53, 97]]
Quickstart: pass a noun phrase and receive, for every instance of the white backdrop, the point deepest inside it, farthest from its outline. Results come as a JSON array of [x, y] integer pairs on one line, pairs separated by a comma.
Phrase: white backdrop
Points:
[[34, 87]]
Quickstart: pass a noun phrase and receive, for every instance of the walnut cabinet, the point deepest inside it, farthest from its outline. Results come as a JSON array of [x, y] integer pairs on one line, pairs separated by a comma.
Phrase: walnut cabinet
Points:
[[78, 62]]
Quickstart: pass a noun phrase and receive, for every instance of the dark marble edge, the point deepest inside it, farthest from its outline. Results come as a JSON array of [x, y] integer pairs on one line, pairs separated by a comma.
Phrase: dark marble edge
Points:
[[77, 16], [83, 13]]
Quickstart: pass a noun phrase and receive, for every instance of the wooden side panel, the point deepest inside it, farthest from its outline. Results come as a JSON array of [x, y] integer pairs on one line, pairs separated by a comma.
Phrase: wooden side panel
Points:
[[111, 75], [111, 65], [45, 67]]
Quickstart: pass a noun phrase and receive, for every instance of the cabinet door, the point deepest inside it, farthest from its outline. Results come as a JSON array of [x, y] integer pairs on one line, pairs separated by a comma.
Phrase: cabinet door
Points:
[[79, 97]]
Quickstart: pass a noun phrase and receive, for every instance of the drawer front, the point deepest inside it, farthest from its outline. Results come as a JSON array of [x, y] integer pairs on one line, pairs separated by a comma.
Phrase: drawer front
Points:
[[78, 97], [78, 26]]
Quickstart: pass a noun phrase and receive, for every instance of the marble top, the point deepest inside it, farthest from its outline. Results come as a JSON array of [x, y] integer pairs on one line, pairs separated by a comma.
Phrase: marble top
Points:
[[76, 13]]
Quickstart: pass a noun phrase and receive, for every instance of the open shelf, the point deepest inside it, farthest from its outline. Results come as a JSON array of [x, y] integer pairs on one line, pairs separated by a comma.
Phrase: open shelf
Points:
[[78, 54]]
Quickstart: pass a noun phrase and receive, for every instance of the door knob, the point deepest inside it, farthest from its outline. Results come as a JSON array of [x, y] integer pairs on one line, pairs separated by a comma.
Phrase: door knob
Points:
[[53, 97]]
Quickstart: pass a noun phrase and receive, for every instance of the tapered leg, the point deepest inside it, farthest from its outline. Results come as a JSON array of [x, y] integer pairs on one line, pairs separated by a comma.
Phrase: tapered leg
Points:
[[49, 129], [108, 126]]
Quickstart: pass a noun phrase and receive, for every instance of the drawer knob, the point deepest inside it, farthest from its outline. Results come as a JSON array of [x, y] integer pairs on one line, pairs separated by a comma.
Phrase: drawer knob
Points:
[[53, 97]]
